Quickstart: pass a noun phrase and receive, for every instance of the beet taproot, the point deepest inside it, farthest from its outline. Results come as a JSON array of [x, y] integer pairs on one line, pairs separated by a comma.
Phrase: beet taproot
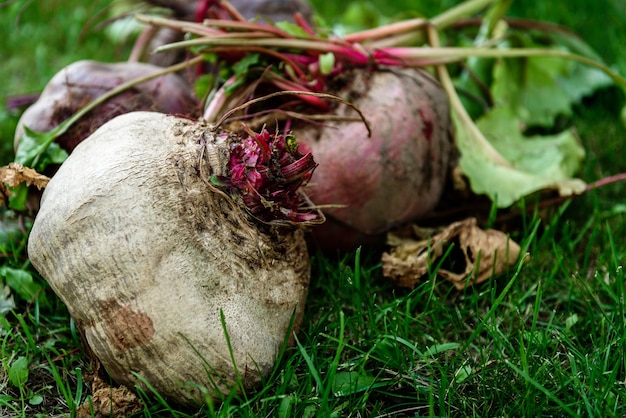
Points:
[[396, 175], [83, 81], [143, 236]]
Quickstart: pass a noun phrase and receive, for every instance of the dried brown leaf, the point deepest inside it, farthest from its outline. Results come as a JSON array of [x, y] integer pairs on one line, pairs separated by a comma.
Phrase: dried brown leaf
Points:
[[14, 174], [485, 253], [107, 401]]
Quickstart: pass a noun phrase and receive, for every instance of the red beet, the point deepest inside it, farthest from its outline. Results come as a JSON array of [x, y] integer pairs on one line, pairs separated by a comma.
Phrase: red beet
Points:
[[81, 82], [393, 177]]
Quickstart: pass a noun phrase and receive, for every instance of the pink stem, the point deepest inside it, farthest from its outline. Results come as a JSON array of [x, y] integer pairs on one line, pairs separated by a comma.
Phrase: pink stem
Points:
[[203, 7], [215, 106], [142, 43], [311, 100], [301, 21], [606, 181], [234, 13], [247, 26]]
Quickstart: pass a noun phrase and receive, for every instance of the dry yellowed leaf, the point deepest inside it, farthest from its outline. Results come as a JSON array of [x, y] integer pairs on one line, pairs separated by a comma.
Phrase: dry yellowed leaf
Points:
[[484, 252], [109, 402], [14, 174], [459, 182]]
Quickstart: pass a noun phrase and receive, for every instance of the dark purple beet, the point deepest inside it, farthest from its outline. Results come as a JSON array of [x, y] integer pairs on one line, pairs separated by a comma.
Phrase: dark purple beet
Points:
[[393, 177], [81, 82]]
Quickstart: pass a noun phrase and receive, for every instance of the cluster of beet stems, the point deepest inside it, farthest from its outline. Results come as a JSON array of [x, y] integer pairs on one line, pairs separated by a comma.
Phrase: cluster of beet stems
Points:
[[266, 168], [302, 61]]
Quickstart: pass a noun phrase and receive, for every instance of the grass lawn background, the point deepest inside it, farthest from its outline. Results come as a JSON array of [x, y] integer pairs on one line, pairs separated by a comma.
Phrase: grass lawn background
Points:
[[547, 339]]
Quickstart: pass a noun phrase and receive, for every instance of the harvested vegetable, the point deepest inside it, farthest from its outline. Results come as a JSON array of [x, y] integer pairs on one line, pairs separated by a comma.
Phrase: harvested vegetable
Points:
[[178, 250], [81, 82], [369, 181], [394, 175], [178, 246]]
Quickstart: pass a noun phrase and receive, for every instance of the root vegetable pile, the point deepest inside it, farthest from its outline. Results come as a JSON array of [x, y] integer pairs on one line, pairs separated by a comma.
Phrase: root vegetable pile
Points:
[[177, 241]]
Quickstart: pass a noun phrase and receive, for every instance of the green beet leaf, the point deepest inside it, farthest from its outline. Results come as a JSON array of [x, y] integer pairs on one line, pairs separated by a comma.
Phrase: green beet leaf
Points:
[[539, 89], [527, 164], [240, 68]]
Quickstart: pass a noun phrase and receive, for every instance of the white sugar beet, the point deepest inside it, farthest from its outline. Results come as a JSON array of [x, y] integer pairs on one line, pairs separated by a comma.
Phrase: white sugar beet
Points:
[[146, 255]]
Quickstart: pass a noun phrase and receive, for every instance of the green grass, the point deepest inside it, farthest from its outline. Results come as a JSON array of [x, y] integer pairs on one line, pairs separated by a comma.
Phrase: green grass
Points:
[[546, 339], [35, 47]]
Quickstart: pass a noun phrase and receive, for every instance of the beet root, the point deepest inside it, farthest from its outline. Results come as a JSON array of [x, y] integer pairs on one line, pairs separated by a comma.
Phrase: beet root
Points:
[[83, 81], [164, 273], [393, 177]]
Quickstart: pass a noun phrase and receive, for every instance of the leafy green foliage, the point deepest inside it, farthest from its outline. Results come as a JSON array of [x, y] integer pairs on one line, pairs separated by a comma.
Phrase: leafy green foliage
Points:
[[22, 283], [535, 163], [521, 94], [38, 150], [558, 156], [240, 70], [18, 372], [540, 89]]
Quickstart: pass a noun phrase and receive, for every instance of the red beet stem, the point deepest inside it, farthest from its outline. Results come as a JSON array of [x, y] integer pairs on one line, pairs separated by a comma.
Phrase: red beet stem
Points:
[[299, 168], [267, 171]]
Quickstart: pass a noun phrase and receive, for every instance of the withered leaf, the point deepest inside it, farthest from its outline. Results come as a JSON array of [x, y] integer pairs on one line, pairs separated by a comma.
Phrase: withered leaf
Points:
[[107, 401], [14, 174], [485, 252]]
